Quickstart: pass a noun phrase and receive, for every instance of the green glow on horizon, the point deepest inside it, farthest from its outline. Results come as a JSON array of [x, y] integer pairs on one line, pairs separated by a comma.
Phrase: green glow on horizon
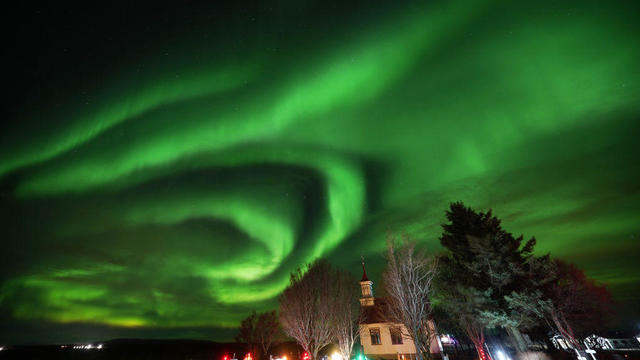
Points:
[[187, 201]]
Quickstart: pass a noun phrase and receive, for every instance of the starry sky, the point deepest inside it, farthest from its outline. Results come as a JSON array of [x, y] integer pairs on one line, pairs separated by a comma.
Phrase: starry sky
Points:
[[164, 169]]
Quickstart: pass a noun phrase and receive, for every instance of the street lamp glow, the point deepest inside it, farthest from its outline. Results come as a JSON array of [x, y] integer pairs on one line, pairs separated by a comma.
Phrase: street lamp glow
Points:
[[336, 356], [501, 355]]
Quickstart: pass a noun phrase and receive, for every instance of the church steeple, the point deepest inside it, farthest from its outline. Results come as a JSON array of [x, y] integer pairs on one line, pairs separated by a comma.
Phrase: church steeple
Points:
[[364, 272], [366, 286]]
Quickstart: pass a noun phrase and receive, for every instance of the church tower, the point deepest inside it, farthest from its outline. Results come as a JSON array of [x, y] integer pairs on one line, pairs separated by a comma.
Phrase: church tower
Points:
[[366, 286]]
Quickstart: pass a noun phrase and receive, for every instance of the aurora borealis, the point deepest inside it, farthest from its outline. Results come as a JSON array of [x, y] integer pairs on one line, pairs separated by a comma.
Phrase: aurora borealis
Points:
[[162, 171]]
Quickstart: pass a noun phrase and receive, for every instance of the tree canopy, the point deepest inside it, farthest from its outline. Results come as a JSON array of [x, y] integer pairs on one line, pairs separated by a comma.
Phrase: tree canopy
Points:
[[320, 306], [491, 278], [484, 266]]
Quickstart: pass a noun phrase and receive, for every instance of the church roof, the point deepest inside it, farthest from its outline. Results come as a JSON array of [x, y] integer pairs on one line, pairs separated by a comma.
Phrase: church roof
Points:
[[375, 313], [378, 312]]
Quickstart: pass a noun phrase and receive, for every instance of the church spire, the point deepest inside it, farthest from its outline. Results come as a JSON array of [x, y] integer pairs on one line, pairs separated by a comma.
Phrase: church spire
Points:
[[364, 271]]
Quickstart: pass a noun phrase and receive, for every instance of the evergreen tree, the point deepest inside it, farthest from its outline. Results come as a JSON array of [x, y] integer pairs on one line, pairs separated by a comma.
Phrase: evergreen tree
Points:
[[461, 306], [487, 266]]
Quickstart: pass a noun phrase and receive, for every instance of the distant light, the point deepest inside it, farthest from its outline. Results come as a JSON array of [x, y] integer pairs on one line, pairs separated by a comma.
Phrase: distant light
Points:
[[447, 339], [336, 356], [284, 357], [99, 346], [1, 348], [501, 355]]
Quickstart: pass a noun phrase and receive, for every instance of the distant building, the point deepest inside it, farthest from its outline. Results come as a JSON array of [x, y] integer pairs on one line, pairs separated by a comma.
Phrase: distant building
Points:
[[381, 339]]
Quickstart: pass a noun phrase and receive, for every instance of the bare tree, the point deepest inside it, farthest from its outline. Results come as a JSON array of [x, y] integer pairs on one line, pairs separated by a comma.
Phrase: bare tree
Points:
[[346, 312], [407, 282], [306, 311], [267, 327]]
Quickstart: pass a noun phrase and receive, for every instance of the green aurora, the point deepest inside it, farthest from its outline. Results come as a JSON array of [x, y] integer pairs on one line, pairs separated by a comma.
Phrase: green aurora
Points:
[[171, 192]]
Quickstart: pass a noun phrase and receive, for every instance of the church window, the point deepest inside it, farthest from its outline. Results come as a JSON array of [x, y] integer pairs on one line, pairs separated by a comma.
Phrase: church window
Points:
[[396, 335], [375, 336]]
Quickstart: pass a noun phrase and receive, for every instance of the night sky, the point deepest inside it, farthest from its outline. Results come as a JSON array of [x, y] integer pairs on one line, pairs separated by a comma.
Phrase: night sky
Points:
[[164, 169]]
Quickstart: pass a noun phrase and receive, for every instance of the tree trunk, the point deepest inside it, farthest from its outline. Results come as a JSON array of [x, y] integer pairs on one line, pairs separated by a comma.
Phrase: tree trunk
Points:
[[565, 330], [418, 346], [480, 350], [476, 335], [518, 340]]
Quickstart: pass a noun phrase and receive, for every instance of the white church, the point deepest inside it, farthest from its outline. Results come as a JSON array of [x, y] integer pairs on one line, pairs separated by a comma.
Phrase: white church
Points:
[[379, 338]]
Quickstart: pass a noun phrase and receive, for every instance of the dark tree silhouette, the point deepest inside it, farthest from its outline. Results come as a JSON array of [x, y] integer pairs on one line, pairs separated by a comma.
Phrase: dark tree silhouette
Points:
[[579, 304], [248, 334], [259, 331], [571, 303]]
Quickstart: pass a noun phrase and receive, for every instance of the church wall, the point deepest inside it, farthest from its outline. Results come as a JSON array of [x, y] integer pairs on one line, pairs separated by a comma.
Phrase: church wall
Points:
[[386, 347]]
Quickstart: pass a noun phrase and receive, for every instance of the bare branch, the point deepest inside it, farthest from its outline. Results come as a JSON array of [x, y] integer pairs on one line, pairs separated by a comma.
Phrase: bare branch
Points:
[[407, 281]]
